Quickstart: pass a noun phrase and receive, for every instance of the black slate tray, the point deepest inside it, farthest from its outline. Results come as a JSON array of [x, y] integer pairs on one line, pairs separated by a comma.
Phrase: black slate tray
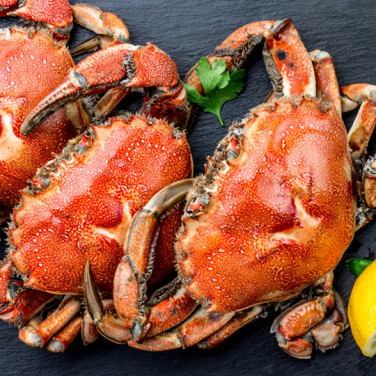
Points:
[[188, 30]]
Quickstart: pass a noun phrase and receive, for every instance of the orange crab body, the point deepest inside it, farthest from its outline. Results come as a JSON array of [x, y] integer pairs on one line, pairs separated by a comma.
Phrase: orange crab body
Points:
[[89, 199], [30, 51], [282, 208]]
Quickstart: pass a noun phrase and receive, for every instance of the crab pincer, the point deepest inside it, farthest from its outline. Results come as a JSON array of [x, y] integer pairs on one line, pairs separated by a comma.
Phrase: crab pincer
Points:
[[121, 64]]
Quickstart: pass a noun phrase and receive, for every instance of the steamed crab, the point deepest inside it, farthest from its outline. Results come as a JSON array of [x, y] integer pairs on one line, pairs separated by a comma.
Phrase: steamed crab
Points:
[[270, 219], [79, 205]]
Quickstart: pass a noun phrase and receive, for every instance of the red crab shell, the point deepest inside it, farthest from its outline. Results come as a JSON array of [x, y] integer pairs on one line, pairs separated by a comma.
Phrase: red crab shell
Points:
[[56, 13], [281, 214], [31, 65], [93, 192]]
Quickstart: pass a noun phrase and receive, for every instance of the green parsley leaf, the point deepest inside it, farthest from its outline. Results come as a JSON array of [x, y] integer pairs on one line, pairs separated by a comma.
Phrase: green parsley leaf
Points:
[[357, 265], [219, 86]]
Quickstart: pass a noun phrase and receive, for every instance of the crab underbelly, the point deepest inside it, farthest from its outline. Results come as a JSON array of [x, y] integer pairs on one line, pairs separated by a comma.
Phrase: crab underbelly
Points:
[[281, 215], [85, 212]]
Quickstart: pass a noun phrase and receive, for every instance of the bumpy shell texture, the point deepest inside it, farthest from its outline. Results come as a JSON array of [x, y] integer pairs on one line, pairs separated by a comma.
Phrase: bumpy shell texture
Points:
[[80, 205], [280, 208]]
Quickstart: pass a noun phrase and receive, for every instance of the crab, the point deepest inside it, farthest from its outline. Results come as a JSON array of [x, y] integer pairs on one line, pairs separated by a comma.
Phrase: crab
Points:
[[79, 205], [267, 223], [42, 50]]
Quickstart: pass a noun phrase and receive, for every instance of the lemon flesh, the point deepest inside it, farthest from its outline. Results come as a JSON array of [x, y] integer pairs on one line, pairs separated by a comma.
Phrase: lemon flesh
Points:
[[362, 311]]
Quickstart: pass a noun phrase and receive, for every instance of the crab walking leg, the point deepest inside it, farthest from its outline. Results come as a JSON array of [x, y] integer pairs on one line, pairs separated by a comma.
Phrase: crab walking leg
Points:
[[170, 312], [109, 27], [369, 182], [293, 326], [364, 123], [237, 322], [131, 66], [68, 309], [198, 326], [28, 333], [363, 95], [60, 342]]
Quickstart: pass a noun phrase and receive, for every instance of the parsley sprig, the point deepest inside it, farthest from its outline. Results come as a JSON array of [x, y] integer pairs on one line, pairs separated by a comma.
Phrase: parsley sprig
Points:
[[357, 265], [219, 86]]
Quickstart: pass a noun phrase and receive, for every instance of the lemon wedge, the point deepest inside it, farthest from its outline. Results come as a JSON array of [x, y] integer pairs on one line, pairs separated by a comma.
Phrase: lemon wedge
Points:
[[362, 310]]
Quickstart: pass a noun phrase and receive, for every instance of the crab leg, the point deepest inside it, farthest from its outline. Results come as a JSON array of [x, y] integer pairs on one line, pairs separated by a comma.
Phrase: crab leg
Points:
[[362, 128], [124, 64], [68, 309], [327, 87], [134, 269], [234, 49], [200, 325], [64, 338], [363, 95], [110, 100], [27, 333], [110, 28], [237, 322]]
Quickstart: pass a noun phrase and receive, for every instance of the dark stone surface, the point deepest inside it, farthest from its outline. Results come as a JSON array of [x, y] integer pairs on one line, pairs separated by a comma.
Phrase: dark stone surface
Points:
[[188, 30]]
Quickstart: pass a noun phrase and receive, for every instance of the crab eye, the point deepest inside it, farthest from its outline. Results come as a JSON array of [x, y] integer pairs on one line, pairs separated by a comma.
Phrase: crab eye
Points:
[[234, 148], [198, 205]]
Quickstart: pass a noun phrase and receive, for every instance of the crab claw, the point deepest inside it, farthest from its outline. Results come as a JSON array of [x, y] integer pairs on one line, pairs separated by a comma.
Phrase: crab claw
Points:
[[56, 15], [25, 305], [320, 321], [130, 282], [107, 324], [109, 28], [125, 64], [129, 307]]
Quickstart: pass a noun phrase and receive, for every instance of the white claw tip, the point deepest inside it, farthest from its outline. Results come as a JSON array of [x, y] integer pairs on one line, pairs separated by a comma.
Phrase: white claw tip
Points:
[[55, 346], [36, 340]]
